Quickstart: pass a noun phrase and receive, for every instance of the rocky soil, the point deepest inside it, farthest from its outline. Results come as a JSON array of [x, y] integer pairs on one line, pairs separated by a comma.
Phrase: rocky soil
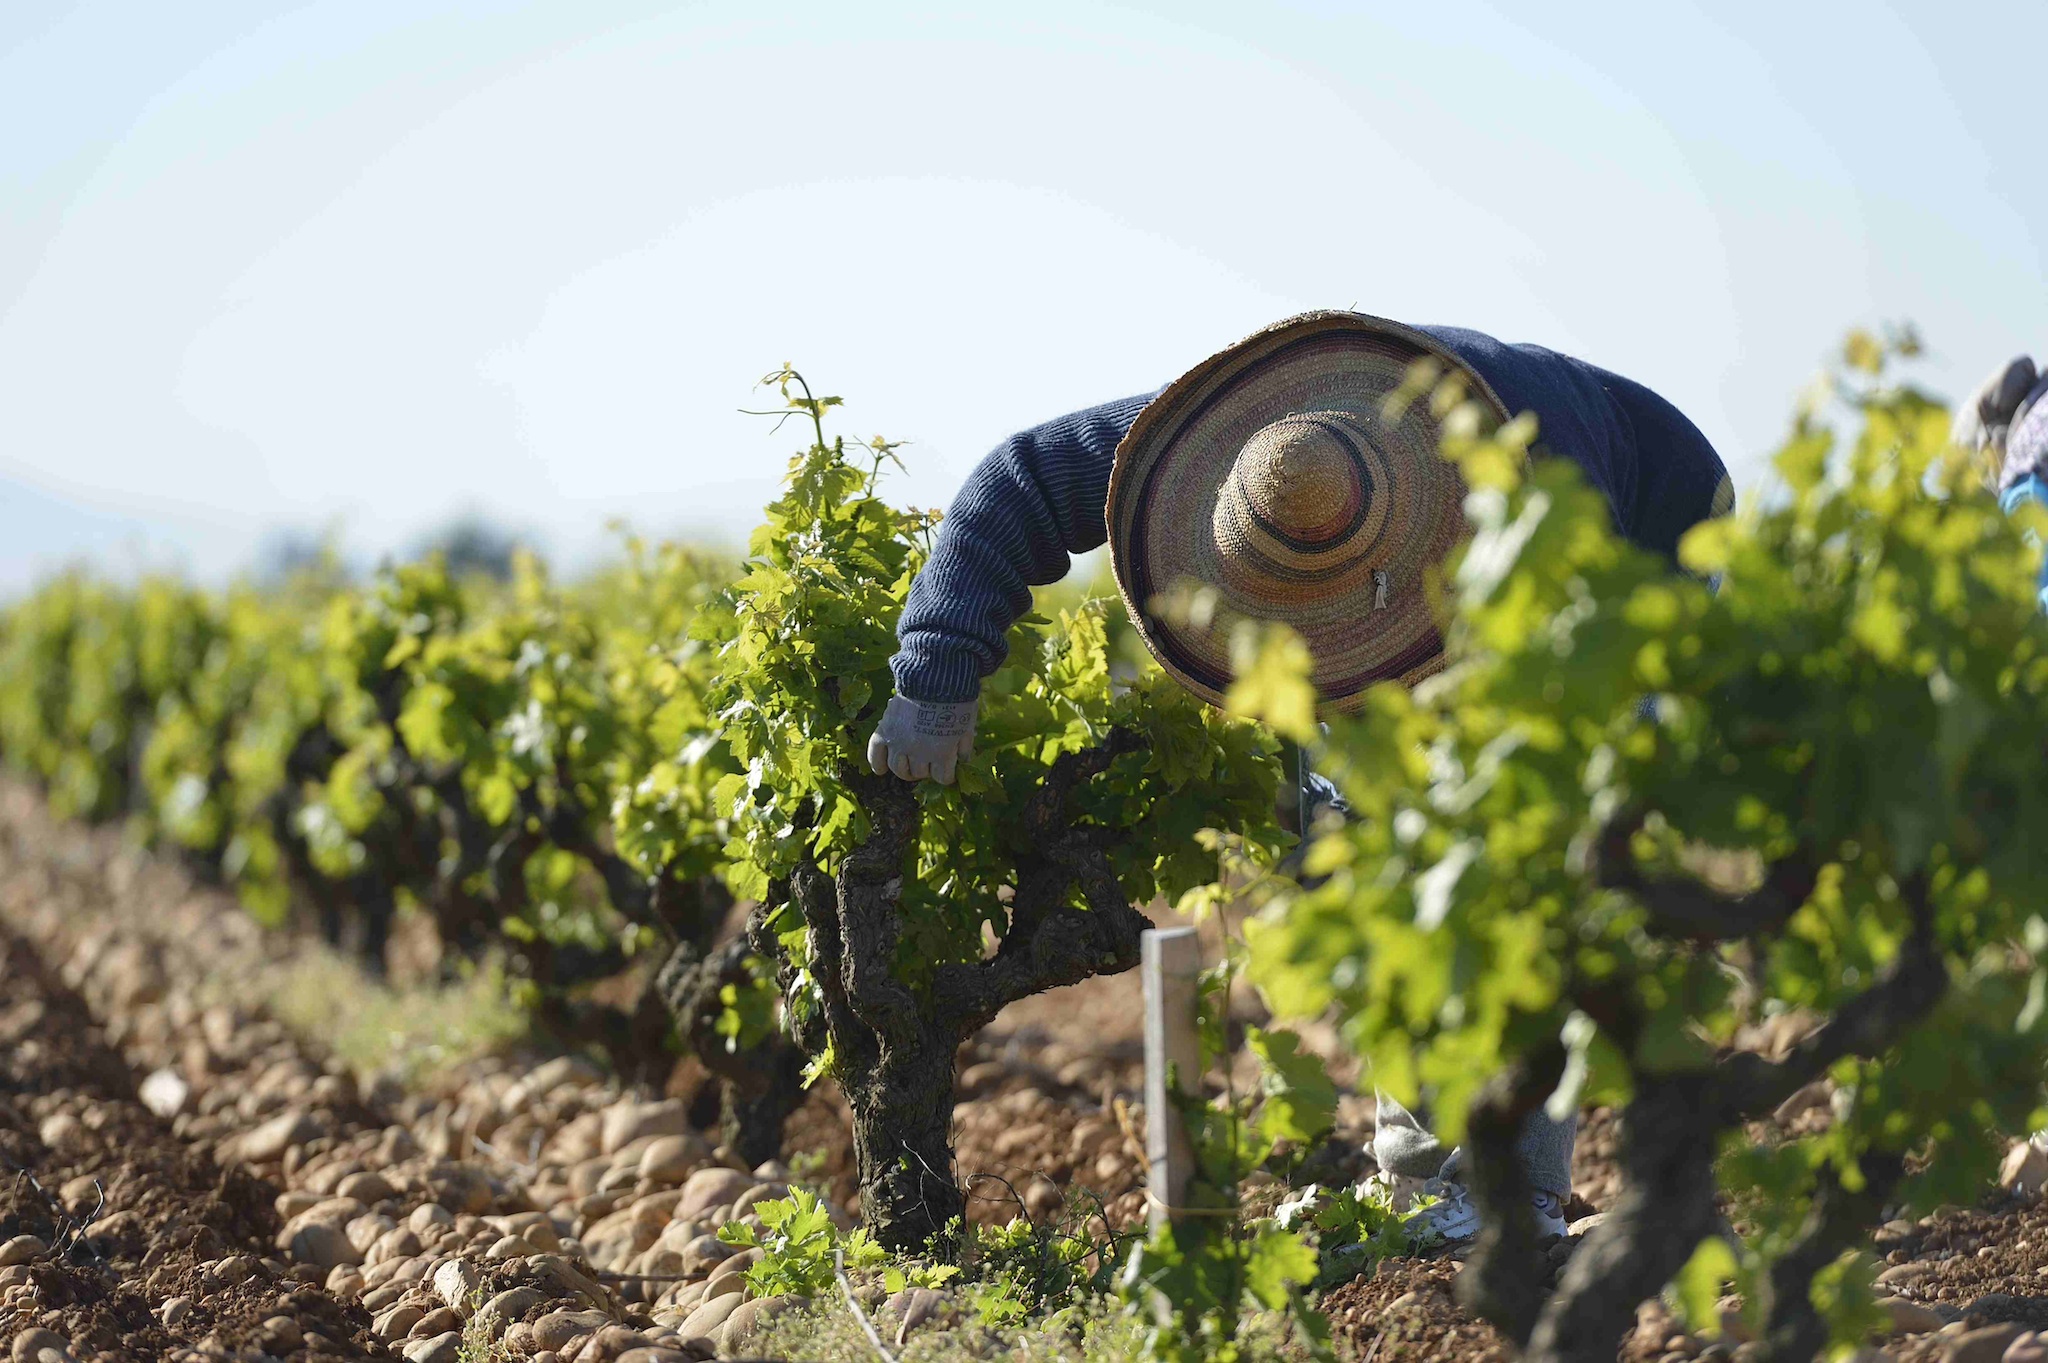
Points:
[[122, 1239], [526, 1206], [188, 1177], [185, 1177]]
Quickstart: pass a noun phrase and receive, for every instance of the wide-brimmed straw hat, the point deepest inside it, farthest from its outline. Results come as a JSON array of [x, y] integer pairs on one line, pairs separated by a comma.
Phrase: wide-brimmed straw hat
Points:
[[1271, 473]]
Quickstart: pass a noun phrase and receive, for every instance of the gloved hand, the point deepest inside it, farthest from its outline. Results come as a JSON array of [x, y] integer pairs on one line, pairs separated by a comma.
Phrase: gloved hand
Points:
[[919, 738], [2005, 417]]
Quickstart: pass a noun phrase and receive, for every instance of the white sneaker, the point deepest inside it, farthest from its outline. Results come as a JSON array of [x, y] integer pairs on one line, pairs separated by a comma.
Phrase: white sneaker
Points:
[[1451, 1216], [1406, 1152]]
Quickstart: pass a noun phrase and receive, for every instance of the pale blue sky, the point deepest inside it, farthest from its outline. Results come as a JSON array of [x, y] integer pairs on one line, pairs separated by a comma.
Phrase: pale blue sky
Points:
[[373, 262]]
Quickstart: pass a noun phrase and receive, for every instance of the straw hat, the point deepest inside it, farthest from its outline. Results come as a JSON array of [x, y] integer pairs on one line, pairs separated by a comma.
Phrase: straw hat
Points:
[[1269, 473]]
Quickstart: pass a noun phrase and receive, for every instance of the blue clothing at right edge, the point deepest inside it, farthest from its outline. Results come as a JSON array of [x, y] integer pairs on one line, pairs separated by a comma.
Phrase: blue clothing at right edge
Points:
[[1040, 498], [2033, 488], [2025, 476]]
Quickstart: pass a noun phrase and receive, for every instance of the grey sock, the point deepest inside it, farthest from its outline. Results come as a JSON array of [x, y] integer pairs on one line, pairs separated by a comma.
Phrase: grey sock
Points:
[[1545, 1149]]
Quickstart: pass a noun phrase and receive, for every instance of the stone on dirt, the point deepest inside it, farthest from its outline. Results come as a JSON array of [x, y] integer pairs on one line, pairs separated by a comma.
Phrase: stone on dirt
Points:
[[1044, 1200], [266, 1144], [708, 1318], [564, 1071], [456, 1283], [440, 1349], [668, 1160], [280, 1335], [235, 1268], [613, 1340], [628, 1121], [436, 1322], [321, 1245], [760, 1192], [365, 1231], [617, 1238], [654, 1211], [22, 1249], [29, 1344], [328, 1211], [571, 1280], [58, 1129], [702, 1253], [558, 1329], [2028, 1348], [708, 1188], [2025, 1170], [460, 1187], [508, 1306], [396, 1322], [749, 1319], [1987, 1345], [366, 1187], [1910, 1317], [734, 1268], [581, 1139], [400, 1242], [164, 1092], [1899, 1275], [913, 1306]]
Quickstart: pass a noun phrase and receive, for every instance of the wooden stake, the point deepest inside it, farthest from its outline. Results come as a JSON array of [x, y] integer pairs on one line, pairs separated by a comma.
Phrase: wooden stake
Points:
[[1172, 965]]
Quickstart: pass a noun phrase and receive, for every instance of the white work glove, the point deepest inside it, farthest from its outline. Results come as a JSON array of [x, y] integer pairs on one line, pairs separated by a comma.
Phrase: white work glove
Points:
[[920, 738]]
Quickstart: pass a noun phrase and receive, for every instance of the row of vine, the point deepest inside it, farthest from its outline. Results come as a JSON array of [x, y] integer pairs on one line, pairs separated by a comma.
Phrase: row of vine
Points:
[[1516, 917]]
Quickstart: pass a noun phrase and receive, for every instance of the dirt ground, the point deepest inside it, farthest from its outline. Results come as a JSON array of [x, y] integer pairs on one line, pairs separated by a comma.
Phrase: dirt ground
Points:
[[132, 1219], [186, 1177]]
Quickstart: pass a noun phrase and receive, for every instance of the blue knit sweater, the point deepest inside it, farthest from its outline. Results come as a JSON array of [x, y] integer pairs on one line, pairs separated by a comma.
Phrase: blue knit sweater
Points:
[[1040, 497]]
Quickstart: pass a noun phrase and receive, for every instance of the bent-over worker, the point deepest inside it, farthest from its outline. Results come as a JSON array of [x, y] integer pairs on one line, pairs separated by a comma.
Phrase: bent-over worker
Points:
[[1269, 473], [2007, 419]]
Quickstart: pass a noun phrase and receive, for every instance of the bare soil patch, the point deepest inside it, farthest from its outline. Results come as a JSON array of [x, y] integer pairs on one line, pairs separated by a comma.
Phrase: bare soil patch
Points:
[[128, 1217], [199, 1176]]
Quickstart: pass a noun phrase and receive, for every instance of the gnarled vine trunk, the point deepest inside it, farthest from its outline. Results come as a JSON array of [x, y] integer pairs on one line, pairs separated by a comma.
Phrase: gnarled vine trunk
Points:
[[760, 1084], [894, 1046], [903, 1142], [1670, 1131]]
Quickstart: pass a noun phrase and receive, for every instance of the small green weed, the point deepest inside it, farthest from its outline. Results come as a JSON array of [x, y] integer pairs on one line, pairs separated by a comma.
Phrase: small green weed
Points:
[[1355, 1228], [1094, 1329], [1024, 1268], [798, 1241], [812, 1167]]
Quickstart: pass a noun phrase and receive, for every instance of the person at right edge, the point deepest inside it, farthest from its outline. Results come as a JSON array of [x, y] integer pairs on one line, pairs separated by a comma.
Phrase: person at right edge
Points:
[[2006, 420], [1272, 473]]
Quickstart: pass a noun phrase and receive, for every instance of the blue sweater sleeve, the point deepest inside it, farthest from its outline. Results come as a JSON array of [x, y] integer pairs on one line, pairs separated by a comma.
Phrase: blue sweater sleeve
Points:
[[1659, 473], [1040, 497], [1028, 507]]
